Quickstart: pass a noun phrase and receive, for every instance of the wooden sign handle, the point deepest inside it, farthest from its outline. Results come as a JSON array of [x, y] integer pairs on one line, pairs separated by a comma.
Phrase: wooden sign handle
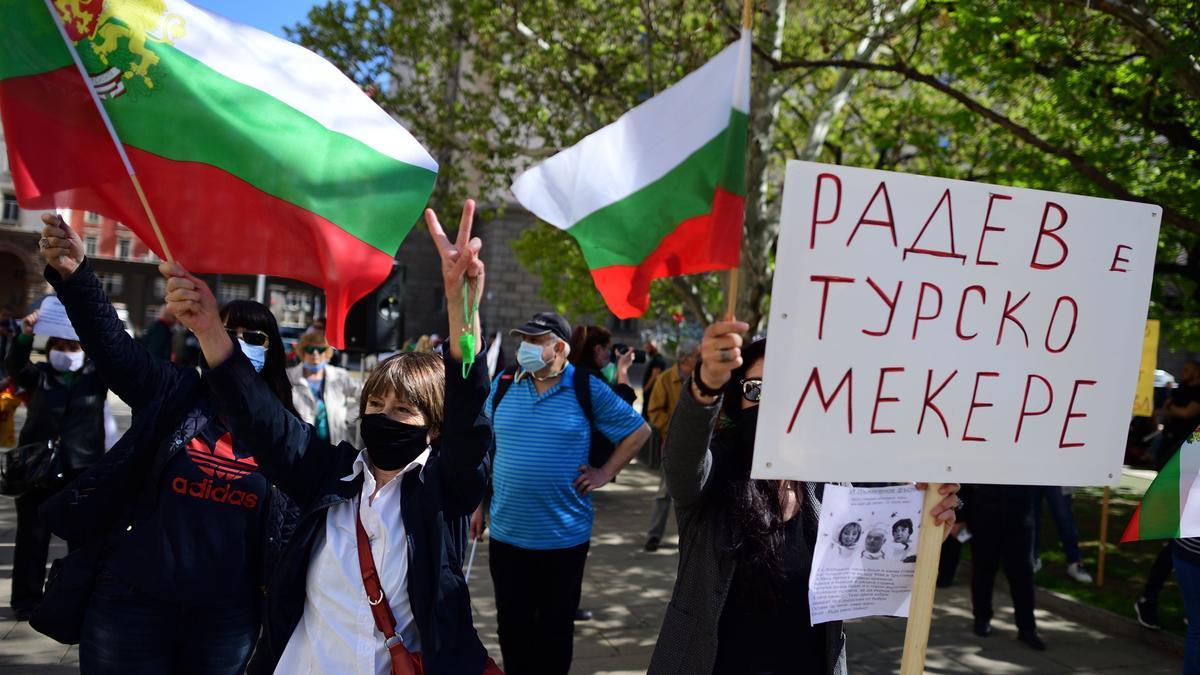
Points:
[[920, 608]]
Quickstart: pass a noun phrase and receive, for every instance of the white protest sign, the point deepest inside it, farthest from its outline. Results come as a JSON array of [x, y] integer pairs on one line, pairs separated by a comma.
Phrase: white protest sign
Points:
[[52, 320], [925, 329]]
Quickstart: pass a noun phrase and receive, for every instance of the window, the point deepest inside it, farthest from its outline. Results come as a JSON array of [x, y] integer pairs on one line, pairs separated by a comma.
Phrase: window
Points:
[[230, 292], [11, 210], [91, 218], [124, 248], [112, 282], [160, 289], [91, 243]]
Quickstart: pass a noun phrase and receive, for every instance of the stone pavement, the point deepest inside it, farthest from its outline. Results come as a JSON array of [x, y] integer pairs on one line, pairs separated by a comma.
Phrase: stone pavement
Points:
[[628, 591]]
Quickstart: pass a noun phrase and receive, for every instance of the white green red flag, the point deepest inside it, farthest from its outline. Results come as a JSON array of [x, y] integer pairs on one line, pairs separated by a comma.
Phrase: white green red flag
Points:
[[661, 191], [257, 156], [1171, 507]]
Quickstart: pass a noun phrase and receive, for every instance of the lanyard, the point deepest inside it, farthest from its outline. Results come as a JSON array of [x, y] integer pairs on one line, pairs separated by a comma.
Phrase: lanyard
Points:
[[466, 341]]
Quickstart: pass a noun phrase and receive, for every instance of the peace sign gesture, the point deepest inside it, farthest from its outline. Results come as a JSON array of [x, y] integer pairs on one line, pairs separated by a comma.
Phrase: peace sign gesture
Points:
[[460, 265]]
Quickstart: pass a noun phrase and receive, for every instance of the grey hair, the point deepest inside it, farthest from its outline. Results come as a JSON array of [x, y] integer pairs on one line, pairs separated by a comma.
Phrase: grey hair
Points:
[[686, 348]]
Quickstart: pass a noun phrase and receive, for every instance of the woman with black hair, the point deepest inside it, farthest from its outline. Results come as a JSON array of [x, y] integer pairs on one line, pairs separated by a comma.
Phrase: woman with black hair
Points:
[[740, 603], [66, 406], [592, 352], [177, 522]]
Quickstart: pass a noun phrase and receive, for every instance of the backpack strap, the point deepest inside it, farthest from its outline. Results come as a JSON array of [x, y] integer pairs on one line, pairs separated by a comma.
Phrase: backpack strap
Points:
[[502, 386], [583, 394]]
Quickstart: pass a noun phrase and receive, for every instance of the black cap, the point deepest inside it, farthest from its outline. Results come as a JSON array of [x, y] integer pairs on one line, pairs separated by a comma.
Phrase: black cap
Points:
[[545, 322]]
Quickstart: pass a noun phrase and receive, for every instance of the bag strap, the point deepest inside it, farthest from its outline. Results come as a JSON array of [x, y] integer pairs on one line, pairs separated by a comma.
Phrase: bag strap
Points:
[[502, 385], [583, 394], [403, 662]]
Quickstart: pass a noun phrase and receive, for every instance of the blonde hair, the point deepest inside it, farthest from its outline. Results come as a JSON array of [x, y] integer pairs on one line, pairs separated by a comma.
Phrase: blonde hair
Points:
[[417, 378]]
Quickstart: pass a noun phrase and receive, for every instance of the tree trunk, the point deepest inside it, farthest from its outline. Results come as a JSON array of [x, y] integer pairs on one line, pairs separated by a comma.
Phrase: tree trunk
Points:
[[762, 217], [759, 231]]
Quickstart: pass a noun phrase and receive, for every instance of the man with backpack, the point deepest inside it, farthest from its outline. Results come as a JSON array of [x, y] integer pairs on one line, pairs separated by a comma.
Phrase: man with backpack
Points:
[[543, 419]]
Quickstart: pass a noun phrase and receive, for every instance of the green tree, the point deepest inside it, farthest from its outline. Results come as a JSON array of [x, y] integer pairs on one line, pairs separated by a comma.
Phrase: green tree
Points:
[[1087, 96]]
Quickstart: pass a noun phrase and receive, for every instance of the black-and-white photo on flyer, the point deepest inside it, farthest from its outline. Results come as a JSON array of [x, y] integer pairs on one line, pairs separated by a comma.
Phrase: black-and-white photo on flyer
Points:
[[866, 553]]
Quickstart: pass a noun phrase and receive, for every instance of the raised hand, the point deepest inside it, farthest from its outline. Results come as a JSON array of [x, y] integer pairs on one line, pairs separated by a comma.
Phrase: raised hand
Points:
[[60, 245], [460, 266], [721, 352], [460, 259], [28, 322], [190, 300]]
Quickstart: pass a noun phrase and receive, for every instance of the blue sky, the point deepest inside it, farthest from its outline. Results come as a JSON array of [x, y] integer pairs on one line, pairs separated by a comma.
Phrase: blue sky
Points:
[[269, 15]]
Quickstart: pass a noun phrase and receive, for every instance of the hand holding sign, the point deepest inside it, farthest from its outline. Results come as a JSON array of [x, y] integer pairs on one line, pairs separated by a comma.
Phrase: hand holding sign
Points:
[[28, 322], [60, 245]]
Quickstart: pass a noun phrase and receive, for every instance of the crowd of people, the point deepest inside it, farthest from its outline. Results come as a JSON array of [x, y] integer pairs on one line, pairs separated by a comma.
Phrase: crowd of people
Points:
[[316, 524]]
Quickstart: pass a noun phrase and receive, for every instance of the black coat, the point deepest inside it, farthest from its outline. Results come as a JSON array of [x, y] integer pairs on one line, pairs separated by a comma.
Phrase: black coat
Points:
[[122, 488], [72, 413], [434, 504]]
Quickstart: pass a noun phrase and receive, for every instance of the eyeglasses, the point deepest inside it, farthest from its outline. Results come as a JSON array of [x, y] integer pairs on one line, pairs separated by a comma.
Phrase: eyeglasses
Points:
[[316, 349], [752, 390], [256, 338]]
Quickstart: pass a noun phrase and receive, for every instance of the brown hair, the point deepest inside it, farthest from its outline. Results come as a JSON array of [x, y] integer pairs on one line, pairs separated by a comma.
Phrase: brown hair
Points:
[[584, 341], [416, 377]]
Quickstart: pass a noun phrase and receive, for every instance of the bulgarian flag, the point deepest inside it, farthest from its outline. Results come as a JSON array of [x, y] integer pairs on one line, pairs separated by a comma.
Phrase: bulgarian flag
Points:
[[256, 156], [660, 192], [1171, 507]]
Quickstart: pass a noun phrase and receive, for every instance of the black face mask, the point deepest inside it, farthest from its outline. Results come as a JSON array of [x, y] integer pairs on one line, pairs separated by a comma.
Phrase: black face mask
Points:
[[392, 445], [743, 450]]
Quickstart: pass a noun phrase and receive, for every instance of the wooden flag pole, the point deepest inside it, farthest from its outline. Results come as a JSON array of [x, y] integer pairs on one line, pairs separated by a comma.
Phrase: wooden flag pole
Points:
[[162, 241], [731, 289], [920, 608], [1103, 536]]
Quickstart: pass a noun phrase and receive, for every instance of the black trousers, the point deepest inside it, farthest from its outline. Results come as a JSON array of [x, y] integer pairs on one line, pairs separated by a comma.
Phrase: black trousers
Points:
[[1007, 546], [537, 593], [1159, 573], [32, 547]]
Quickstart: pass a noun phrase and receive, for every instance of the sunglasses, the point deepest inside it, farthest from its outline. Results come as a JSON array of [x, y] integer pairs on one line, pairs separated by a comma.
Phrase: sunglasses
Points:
[[256, 338], [752, 390], [316, 349]]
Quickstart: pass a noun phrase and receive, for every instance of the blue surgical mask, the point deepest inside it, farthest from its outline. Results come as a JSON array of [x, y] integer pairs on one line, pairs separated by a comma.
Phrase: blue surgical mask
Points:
[[256, 353], [529, 356], [314, 367]]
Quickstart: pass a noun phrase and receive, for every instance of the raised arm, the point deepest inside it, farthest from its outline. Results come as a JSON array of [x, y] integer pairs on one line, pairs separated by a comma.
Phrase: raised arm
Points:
[[132, 373], [466, 430], [687, 460], [288, 451], [17, 364]]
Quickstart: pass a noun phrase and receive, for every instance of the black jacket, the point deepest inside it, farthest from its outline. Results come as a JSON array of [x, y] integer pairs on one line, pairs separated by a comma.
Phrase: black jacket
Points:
[[69, 408], [434, 504], [122, 488]]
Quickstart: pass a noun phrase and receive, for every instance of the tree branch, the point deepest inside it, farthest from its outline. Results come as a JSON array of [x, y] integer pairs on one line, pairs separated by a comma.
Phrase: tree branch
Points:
[[1155, 38], [689, 295], [1092, 173]]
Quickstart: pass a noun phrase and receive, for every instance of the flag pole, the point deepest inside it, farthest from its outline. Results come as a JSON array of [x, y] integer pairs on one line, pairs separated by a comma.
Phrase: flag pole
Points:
[[112, 132], [731, 290], [920, 607], [1103, 536]]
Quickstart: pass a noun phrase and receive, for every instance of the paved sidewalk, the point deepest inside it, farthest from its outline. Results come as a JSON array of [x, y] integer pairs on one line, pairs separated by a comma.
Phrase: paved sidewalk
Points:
[[628, 591]]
